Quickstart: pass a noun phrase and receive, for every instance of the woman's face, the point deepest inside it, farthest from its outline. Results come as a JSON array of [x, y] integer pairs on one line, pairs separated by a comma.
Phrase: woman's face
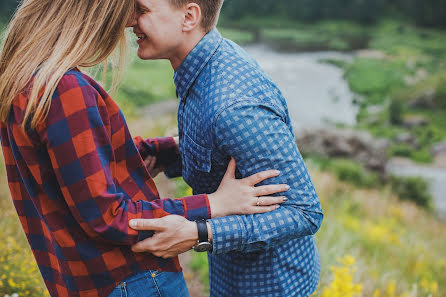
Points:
[[158, 26]]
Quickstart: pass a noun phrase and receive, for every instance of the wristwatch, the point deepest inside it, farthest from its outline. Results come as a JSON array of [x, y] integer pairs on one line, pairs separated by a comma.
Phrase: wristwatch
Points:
[[203, 244]]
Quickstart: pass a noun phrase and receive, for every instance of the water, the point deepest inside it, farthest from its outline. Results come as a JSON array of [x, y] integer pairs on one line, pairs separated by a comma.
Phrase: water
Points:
[[316, 92], [317, 95]]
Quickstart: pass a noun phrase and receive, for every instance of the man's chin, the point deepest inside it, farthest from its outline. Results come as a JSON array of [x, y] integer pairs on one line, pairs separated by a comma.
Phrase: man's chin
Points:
[[147, 56]]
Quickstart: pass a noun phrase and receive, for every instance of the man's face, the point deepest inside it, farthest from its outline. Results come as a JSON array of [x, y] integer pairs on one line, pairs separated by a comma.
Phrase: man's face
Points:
[[158, 26]]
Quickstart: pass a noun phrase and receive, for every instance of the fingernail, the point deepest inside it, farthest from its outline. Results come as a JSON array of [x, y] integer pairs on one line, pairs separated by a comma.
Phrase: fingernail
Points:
[[132, 223], [287, 187], [285, 199], [277, 206], [277, 172]]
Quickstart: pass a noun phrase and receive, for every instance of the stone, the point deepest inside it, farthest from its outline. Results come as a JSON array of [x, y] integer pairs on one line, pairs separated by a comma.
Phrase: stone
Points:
[[415, 121], [438, 148], [356, 145], [424, 100]]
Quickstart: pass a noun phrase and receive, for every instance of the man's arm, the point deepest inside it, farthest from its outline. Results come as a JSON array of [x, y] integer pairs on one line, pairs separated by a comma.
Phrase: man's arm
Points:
[[259, 139]]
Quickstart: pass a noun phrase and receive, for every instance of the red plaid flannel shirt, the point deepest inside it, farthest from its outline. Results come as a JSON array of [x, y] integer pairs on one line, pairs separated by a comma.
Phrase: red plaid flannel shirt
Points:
[[77, 179]]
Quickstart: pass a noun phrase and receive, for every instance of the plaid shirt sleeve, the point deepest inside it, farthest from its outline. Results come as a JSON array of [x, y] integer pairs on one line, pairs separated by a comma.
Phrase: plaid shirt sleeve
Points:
[[259, 139], [163, 148], [79, 137]]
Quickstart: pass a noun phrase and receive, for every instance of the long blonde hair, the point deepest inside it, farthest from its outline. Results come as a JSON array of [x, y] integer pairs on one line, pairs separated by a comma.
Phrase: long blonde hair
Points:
[[46, 38]]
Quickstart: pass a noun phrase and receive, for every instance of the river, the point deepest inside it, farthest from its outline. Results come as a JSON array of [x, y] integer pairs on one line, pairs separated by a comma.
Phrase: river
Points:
[[318, 95]]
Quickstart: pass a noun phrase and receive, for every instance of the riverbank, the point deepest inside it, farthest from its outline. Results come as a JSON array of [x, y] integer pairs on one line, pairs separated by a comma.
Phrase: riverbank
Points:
[[398, 75]]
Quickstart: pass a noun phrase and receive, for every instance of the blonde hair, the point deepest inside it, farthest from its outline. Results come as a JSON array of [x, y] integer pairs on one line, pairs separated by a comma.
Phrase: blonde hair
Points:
[[46, 38]]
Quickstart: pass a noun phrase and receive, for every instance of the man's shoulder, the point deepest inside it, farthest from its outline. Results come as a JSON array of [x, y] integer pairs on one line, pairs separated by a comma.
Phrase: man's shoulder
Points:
[[230, 55]]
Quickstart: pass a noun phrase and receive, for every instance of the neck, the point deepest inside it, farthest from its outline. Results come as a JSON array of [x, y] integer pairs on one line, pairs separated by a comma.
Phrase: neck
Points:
[[191, 39]]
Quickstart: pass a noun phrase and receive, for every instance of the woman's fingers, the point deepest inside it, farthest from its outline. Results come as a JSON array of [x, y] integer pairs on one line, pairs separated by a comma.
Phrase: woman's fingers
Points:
[[270, 189], [263, 209], [260, 176], [268, 201]]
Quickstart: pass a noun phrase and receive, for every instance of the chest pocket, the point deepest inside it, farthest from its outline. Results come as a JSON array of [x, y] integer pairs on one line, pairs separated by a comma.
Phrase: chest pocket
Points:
[[196, 156]]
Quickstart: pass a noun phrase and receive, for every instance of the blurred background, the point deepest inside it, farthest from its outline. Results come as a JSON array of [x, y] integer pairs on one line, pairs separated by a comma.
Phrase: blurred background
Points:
[[365, 82]]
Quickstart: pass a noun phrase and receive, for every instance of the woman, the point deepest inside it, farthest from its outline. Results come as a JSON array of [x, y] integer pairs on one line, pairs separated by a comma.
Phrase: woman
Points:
[[75, 174]]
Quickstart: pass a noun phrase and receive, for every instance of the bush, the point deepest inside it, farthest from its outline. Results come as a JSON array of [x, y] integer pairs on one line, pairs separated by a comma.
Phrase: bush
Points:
[[414, 189], [18, 270], [440, 96], [396, 112], [354, 173], [345, 170]]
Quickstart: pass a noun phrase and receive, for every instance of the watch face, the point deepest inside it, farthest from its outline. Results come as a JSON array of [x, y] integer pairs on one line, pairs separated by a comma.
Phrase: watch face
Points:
[[203, 247]]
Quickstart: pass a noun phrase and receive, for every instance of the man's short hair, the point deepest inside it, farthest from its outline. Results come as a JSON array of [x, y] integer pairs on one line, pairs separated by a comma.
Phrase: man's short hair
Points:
[[210, 10]]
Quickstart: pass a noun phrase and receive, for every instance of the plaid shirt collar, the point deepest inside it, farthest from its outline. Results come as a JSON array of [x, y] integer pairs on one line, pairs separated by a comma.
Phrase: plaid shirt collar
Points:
[[194, 63]]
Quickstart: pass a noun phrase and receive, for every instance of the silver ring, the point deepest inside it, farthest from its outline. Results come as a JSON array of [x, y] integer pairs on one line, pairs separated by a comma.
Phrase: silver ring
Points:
[[258, 201]]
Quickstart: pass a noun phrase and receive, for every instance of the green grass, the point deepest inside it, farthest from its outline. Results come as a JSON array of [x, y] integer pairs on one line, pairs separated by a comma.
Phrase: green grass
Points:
[[143, 83], [376, 79], [238, 36]]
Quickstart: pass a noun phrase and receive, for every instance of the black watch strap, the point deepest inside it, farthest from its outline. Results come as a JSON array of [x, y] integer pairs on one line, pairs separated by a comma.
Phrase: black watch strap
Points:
[[202, 231]]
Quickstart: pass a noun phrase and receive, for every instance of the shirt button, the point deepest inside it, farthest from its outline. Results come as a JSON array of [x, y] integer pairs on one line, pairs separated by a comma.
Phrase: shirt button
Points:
[[153, 274]]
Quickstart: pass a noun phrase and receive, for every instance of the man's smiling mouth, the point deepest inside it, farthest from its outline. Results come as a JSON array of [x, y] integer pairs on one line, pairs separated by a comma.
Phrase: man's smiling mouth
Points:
[[141, 36]]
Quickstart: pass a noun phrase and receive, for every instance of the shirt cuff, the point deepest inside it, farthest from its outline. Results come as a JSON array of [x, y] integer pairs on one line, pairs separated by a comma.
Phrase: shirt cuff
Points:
[[227, 234], [164, 148], [196, 207]]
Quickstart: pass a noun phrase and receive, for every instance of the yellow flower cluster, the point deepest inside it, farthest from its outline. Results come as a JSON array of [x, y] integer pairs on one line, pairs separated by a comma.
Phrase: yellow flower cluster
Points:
[[428, 288], [382, 232], [343, 284], [19, 273]]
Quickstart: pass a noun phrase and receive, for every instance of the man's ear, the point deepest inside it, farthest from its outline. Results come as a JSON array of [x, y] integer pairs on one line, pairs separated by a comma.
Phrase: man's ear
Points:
[[192, 17]]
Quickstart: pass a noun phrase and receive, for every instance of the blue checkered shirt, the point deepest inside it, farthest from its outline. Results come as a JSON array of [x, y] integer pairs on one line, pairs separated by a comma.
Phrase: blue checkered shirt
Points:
[[230, 107]]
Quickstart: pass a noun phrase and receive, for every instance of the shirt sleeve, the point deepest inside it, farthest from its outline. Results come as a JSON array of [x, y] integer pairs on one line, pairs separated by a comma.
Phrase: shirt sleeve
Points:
[[163, 148], [259, 139], [77, 134]]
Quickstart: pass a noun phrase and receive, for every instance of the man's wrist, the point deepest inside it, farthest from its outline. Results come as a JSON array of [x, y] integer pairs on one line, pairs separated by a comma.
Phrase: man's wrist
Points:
[[204, 243]]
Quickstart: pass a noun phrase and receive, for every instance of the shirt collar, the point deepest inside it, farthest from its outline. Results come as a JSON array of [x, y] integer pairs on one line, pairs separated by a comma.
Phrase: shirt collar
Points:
[[194, 63]]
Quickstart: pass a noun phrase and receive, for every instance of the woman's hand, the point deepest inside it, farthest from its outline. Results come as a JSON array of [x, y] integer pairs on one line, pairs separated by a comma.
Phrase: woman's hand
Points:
[[150, 163], [240, 196]]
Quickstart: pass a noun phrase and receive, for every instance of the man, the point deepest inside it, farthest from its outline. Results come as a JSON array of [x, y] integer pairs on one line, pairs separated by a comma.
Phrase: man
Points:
[[230, 107]]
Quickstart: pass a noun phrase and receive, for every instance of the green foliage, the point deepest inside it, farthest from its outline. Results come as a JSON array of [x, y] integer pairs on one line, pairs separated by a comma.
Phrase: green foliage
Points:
[[238, 36], [347, 170], [199, 265], [18, 270], [375, 78], [146, 82], [414, 189], [396, 112]]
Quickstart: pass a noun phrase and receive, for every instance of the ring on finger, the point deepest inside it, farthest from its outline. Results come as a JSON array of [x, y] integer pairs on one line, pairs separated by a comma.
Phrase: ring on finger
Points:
[[258, 201]]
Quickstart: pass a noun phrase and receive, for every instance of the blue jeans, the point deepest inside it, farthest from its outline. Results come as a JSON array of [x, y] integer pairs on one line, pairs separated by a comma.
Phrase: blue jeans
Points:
[[152, 284]]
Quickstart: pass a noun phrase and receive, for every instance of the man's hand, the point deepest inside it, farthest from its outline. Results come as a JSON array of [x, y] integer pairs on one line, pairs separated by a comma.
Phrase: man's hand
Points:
[[151, 166], [174, 235]]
